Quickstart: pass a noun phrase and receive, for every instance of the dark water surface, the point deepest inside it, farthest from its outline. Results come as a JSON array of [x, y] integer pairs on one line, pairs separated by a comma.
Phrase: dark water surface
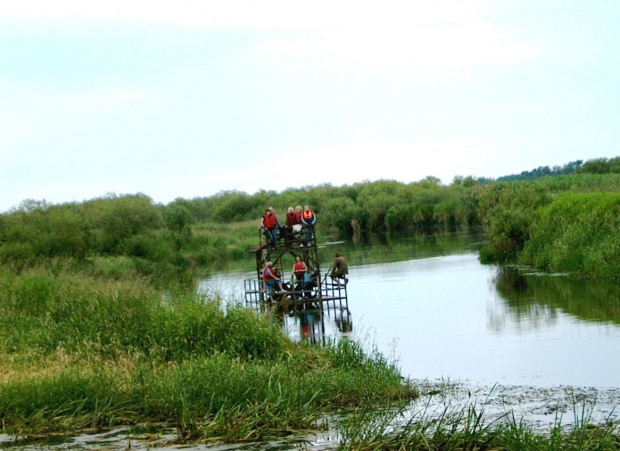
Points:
[[430, 304]]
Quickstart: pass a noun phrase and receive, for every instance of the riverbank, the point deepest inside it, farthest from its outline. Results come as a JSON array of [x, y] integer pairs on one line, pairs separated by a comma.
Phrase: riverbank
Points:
[[538, 409]]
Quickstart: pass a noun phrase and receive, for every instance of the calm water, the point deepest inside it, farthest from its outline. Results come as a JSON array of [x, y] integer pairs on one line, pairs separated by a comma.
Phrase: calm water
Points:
[[433, 307]]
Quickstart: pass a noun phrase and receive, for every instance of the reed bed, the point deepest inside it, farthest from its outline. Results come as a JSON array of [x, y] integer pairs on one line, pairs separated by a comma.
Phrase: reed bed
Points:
[[84, 352], [467, 429]]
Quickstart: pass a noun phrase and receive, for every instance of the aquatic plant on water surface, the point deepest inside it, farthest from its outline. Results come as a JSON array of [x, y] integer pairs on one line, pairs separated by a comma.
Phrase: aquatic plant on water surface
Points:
[[467, 428], [83, 352]]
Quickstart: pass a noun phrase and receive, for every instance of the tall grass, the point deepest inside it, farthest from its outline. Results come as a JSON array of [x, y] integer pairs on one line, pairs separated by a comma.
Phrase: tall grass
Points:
[[578, 233], [79, 351], [467, 429]]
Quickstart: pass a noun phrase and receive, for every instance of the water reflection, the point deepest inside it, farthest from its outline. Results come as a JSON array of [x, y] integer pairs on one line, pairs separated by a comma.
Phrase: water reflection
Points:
[[344, 320], [394, 248], [537, 295], [318, 325], [311, 326]]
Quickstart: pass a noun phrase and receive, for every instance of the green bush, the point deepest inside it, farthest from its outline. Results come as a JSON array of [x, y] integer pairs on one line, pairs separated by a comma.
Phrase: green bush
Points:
[[578, 233]]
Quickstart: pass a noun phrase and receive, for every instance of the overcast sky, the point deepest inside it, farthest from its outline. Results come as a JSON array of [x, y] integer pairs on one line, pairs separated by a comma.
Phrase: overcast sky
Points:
[[188, 98]]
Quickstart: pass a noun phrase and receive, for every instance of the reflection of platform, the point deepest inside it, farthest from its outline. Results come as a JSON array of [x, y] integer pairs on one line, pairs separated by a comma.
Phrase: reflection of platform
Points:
[[317, 326]]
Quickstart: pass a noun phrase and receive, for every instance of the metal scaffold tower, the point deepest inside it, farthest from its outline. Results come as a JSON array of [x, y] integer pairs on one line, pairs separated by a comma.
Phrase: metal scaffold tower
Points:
[[322, 293]]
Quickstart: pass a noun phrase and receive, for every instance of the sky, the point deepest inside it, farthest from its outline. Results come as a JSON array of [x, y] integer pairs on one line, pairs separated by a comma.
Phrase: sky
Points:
[[187, 98]]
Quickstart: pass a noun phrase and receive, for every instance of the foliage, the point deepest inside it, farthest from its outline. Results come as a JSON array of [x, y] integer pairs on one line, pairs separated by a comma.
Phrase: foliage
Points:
[[601, 166], [192, 235], [79, 351], [578, 233], [509, 217], [545, 171]]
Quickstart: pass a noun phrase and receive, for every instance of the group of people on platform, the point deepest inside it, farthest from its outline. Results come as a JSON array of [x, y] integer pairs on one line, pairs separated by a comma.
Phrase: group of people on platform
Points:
[[297, 220], [305, 275]]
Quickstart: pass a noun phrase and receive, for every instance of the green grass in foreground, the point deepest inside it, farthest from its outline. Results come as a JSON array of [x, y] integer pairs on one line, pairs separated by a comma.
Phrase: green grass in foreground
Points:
[[80, 352]]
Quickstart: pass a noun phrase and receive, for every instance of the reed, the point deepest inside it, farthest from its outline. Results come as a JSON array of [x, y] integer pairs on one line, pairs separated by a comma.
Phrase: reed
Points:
[[82, 352], [578, 234], [467, 429]]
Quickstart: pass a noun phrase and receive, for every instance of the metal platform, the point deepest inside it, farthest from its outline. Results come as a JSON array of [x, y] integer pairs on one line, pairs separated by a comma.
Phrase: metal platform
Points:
[[326, 295]]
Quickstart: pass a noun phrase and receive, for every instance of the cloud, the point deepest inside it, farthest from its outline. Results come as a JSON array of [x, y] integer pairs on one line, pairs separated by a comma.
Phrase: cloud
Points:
[[439, 49], [342, 165], [401, 36], [97, 99], [251, 14]]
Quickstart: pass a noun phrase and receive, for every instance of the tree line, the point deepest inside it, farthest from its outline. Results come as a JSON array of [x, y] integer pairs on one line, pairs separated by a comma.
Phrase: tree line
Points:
[[135, 232]]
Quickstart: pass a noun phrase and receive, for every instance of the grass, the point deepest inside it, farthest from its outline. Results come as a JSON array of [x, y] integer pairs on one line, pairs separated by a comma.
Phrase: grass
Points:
[[467, 429], [79, 352]]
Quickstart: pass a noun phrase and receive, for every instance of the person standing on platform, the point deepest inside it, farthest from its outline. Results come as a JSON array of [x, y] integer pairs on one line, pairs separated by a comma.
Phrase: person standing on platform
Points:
[[309, 219], [310, 282], [293, 224], [270, 224], [299, 268]]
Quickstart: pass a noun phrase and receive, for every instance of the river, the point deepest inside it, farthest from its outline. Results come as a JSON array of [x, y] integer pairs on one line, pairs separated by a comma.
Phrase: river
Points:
[[428, 303]]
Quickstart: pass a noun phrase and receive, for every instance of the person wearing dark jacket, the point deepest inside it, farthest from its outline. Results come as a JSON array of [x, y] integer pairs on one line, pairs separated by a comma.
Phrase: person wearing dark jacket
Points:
[[340, 269]]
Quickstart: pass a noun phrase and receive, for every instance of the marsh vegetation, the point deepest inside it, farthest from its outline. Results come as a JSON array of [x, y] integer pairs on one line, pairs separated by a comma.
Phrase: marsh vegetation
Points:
[[100, 323], [79, 352]]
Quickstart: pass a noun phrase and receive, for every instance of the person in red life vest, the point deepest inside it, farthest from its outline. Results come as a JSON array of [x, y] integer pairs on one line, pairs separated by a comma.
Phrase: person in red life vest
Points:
[[299, 268], [308, 219], [271, 278], [293, 225], [270, 224], [298, 214], [291, 219]]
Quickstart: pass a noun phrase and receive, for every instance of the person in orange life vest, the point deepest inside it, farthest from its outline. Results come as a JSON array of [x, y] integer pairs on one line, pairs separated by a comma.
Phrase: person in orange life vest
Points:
[[308, 218], [299, 268], [270, 224], [271, 277]]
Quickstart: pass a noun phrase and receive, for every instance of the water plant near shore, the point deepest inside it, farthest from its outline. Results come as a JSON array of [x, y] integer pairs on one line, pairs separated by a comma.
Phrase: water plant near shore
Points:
[[466, 428], [578, 234], [82, 352]]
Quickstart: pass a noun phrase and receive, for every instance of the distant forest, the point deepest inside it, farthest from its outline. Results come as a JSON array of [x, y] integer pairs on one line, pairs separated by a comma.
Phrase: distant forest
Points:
[[596, 166]]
